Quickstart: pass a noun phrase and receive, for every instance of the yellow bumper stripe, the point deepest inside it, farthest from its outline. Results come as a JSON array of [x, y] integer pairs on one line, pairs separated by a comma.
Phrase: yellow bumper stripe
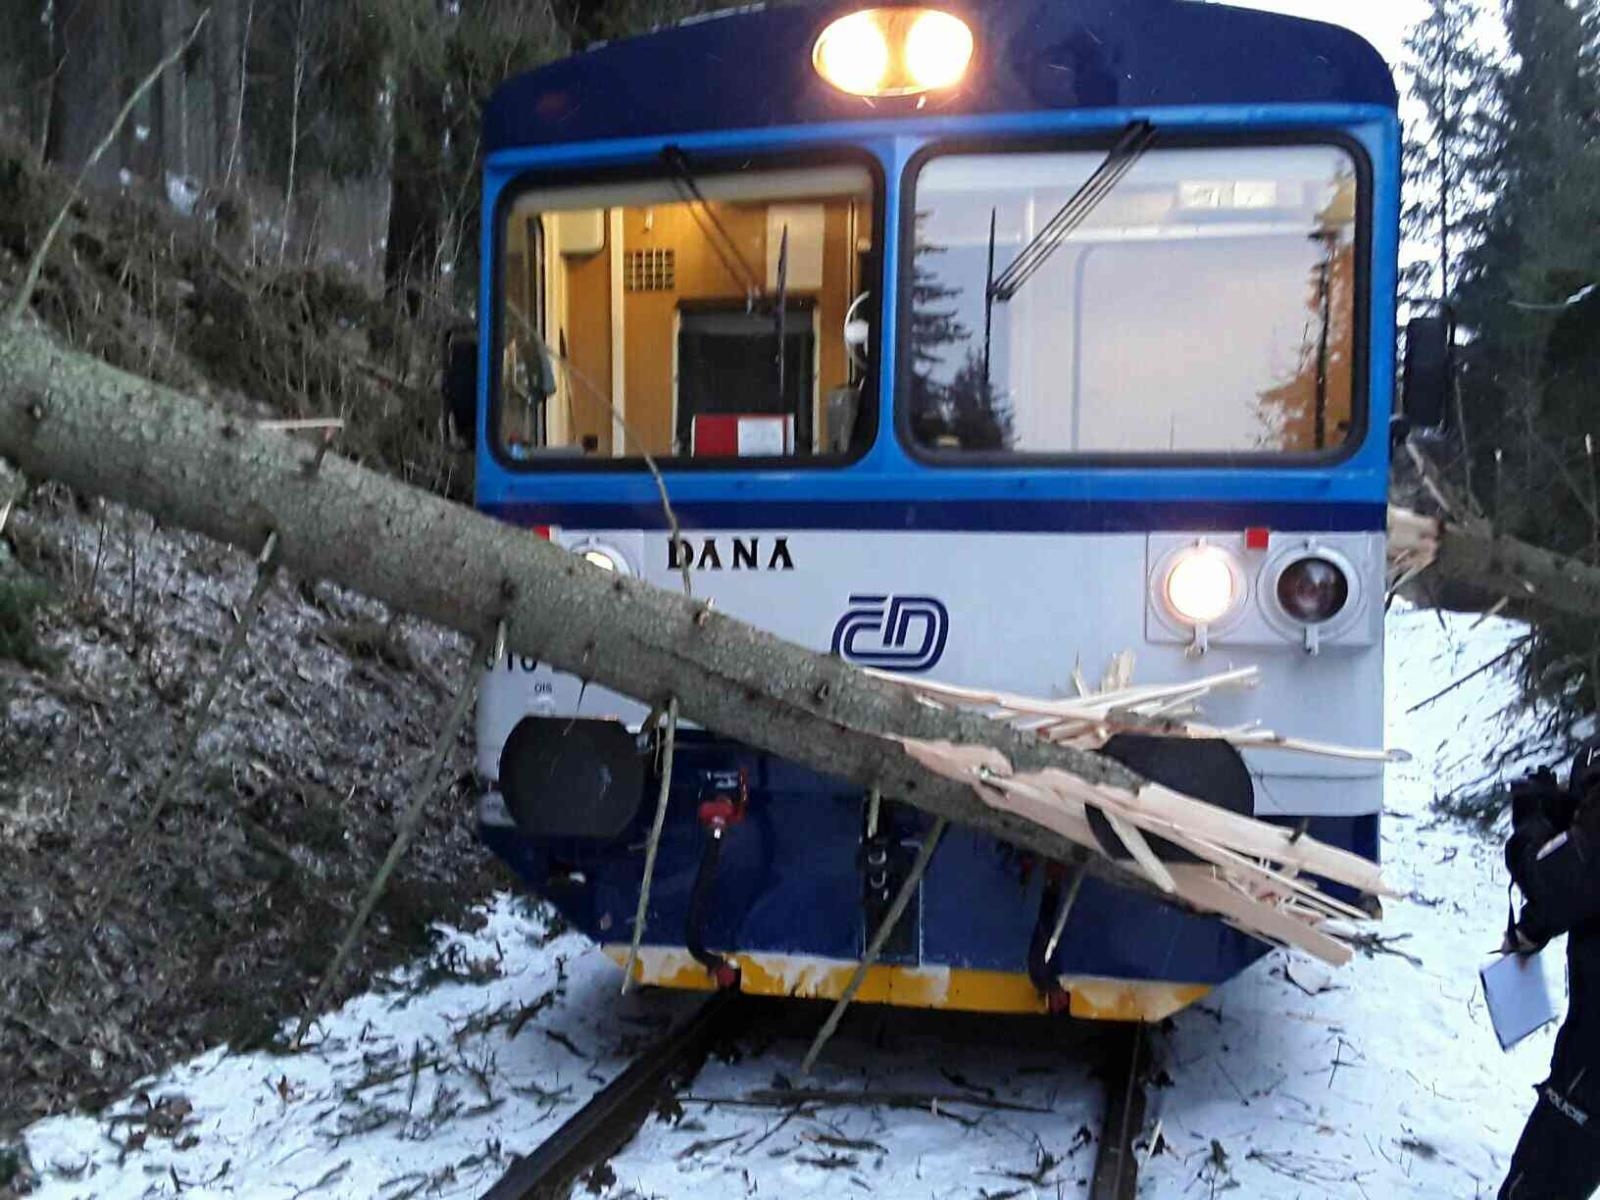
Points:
[[1093, 998]]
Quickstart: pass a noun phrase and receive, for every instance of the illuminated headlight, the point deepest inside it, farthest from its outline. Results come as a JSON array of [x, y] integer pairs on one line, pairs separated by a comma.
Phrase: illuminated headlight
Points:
[[1313, 590], [894, 51], [938, 49], [1200, 586], [605, 557]]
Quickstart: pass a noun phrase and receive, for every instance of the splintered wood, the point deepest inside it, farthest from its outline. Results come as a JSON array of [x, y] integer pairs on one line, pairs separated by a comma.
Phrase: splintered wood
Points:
[[1261, 878], [1251, 873], [1413, 545], [1089, 720]]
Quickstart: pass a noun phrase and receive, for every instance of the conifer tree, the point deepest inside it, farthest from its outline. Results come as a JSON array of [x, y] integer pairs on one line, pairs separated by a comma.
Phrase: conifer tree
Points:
[[1449, 76], [1529, 388]]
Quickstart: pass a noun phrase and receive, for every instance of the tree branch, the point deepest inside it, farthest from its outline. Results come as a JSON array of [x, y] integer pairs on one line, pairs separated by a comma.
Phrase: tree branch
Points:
[[1469, 551]]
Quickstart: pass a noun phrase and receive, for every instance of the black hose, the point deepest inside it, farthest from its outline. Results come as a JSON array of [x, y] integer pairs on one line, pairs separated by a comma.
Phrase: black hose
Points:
[[1056, 998], [699, 901], [1038, 966]]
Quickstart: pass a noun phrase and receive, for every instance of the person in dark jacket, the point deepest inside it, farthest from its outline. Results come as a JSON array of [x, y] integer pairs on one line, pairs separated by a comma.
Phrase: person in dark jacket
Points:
[[1554, 858]]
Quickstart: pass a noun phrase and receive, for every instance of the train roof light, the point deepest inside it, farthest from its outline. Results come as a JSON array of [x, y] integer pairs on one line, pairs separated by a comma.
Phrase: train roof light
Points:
[[894, 51], [938, 48]]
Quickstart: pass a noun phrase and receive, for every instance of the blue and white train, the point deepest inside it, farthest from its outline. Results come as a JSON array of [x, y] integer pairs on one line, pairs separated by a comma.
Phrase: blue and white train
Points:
[[975, 342]]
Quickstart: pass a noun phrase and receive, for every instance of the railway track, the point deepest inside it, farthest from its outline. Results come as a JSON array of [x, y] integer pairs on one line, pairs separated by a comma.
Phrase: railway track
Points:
[[1116, 1167], [613, 1116]]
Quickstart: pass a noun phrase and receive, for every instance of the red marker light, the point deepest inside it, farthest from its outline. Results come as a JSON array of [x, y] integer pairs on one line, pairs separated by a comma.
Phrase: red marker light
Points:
[[1257, 537]]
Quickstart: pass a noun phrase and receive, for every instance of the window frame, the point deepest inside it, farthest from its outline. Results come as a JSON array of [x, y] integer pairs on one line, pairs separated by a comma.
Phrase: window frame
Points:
[[723, 162], [1102, 141]]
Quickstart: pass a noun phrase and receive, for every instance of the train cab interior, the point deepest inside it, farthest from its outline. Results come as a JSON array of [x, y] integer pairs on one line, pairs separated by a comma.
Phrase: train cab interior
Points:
[[688, 315]]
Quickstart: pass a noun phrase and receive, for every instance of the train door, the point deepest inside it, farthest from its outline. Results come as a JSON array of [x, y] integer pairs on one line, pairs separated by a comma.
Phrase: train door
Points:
[[734, 360]]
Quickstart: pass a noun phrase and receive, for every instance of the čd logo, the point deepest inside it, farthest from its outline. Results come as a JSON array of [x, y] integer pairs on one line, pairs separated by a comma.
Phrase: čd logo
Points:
[[896, 633]]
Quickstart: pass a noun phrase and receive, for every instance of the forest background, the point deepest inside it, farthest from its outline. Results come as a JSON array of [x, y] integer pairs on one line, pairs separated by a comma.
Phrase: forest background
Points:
[[289, 220]]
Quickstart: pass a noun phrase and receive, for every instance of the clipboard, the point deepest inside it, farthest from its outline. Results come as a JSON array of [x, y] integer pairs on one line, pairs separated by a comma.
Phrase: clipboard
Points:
[[1517, 992]]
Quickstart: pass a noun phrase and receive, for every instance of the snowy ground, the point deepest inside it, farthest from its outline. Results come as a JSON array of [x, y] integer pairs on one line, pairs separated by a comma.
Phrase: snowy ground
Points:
[[1383, 1079]]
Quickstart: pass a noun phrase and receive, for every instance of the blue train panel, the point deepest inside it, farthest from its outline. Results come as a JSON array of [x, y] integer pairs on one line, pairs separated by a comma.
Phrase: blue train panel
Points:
[[1043, 55], [789, 886]]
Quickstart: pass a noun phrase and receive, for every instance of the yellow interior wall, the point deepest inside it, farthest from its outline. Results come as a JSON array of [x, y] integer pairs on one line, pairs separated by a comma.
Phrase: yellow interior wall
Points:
[[700, 275], [588, 336], [579, 306]]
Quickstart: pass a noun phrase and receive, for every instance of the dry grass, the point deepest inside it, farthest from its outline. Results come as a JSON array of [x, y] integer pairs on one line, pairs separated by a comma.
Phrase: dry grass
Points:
[[108, 631], [162, 295]]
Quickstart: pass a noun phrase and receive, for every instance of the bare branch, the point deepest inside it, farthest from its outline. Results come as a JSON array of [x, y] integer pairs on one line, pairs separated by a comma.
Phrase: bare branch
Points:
[[421, 790]]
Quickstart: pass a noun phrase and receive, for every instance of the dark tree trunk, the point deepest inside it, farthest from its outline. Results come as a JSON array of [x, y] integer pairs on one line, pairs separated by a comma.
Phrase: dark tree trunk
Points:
[[416, 206], [141, 143], [87, 97]]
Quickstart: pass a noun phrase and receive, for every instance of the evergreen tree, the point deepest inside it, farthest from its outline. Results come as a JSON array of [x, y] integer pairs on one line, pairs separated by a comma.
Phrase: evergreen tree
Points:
[[449, 57], [1310, 409], [1529, 396], [1449, 76], [26, 69], [977, 415], [934, 325], [967, 411]]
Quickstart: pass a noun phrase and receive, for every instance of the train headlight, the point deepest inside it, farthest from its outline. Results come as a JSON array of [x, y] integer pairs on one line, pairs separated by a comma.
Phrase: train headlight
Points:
[[1200, 586], [853, 54], [896, 51], [1313, 590], [938, 49], [598, 554]]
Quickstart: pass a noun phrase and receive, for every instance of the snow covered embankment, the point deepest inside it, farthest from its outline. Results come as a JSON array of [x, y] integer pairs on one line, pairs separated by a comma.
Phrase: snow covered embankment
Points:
[[1382, 1079]]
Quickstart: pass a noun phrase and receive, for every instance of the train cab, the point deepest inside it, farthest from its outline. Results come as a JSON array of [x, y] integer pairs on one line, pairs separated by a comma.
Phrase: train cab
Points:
[[992, 345]]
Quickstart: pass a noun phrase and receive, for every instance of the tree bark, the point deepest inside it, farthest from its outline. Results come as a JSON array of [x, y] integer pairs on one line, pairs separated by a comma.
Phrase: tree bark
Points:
[[104, 432], [1472, 553]]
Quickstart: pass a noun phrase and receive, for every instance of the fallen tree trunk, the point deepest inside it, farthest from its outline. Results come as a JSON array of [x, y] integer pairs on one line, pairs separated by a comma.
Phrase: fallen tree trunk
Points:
[[1471, 552], [101, 431], [73, 418]]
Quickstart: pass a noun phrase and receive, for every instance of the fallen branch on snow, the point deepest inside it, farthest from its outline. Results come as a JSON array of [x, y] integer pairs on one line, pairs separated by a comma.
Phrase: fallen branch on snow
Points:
[[1470, 551]]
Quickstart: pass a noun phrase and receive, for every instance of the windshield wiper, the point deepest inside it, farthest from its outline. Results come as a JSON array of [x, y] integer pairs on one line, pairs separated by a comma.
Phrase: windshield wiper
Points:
[[780, 314], [1130, 147], [705, 216]]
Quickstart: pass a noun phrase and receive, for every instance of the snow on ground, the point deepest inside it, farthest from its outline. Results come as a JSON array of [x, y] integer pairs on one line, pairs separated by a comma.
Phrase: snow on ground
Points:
[[1390, 1083], [1382, 1079]]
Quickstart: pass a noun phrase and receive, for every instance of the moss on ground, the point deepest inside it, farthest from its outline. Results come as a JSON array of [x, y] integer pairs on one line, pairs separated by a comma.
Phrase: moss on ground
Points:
[[23, 599]]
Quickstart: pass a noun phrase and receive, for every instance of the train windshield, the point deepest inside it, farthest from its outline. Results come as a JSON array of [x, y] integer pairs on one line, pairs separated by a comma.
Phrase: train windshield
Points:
[[696, 314], [1204, 305]]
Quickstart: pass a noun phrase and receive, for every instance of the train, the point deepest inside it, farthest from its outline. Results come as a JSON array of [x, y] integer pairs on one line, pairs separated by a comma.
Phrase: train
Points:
[[990, 344]]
